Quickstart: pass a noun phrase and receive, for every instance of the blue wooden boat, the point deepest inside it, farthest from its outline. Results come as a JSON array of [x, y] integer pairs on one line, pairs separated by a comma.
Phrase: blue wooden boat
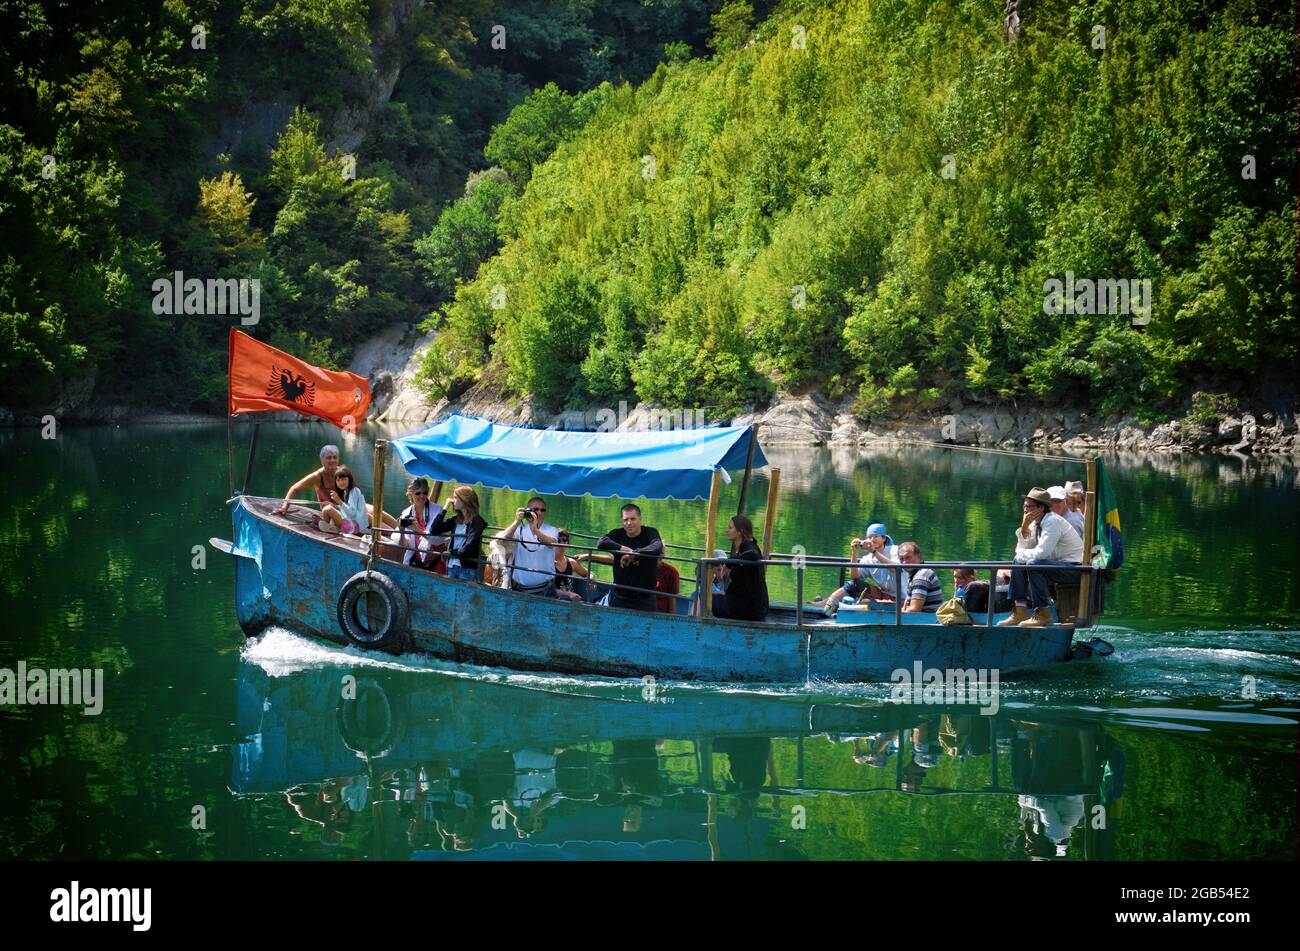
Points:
[[288, 573]]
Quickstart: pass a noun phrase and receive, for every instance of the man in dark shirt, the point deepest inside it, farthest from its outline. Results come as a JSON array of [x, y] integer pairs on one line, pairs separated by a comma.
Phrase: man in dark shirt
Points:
[[637, 549]]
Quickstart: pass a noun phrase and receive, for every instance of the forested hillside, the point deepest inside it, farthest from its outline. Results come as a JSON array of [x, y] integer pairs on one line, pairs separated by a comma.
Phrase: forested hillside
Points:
[[870, 195], [684, 201], [213, 137]]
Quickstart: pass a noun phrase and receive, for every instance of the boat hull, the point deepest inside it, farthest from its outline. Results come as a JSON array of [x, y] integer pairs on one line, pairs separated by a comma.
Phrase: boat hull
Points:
[[291, 577]]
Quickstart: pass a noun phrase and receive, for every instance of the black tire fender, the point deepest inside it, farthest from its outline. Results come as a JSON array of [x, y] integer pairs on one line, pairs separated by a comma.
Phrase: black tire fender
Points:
[[373, 611]]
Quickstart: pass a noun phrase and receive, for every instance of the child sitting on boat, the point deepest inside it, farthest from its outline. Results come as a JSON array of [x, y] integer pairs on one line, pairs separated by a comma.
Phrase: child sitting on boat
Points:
[[346, 512]]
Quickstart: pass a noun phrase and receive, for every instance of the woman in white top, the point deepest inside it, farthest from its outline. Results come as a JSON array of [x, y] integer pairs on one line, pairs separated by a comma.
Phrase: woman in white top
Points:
[[414, 522], [347, 511]]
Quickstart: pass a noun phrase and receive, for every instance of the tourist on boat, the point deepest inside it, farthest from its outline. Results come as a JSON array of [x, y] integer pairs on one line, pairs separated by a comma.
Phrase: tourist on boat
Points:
[[867, 584], [322, 480], [924, 589], [496, 573], [637, 549], [1075, 495], [534, 564], [346, 512], [746, 595], [1061, 506], [461, 520], [669, 581], [1044, 538], [974, 592], [421, 550], [570, 574]]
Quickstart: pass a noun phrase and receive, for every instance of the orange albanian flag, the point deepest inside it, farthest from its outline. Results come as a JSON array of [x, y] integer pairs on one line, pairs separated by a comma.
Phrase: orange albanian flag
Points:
[[263, 378]]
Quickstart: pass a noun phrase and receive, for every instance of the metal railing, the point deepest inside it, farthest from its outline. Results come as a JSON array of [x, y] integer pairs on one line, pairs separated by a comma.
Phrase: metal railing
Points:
[[800, 563]]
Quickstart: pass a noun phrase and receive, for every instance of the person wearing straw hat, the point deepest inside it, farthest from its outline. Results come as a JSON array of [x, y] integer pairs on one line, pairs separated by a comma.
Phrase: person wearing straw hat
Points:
[[1054, 543]]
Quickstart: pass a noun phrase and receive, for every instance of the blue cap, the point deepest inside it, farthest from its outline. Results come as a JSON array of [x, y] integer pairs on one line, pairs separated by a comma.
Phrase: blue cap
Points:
[[876, 528]]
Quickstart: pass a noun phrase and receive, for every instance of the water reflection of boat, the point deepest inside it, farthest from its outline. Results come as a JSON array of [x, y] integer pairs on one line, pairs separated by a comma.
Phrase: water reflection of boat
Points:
[[474, 769]]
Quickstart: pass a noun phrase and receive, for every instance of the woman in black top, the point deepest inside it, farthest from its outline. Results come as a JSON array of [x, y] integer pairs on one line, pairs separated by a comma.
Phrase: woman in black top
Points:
[[746, 597], [460, 520]]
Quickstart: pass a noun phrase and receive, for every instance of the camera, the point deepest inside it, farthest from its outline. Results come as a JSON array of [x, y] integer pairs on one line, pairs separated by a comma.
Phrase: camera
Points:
[[406, 521], [530, 514]]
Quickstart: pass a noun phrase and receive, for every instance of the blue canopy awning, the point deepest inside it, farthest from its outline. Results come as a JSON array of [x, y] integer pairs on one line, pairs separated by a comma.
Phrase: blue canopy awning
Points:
[[669, 464]]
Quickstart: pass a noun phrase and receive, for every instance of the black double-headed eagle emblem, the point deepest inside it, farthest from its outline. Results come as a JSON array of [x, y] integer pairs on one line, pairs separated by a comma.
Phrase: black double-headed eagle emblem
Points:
[[285, 386]]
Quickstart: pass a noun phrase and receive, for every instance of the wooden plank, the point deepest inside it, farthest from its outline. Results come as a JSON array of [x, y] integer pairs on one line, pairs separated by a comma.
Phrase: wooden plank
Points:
[[769, 517], [749, 469], [377, 523], [710, 535], [1089, 538]]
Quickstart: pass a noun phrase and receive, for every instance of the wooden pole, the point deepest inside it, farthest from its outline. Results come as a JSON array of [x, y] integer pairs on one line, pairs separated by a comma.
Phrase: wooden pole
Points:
[[377, 523], [749, 469], [252, 451], [1089, 537], [710, 534], [769, 517]]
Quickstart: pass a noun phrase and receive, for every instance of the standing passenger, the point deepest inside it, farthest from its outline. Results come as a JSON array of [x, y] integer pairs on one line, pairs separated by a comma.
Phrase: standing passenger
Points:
[[534, 564], [637, 549], [746, 597], [461, 520]]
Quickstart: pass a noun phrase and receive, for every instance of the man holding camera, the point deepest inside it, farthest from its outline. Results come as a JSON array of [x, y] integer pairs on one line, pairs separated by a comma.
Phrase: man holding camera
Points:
[[534, 564]]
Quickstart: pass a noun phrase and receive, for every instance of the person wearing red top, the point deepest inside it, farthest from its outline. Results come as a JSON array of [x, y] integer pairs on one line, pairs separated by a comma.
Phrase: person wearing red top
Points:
[[669, 581]]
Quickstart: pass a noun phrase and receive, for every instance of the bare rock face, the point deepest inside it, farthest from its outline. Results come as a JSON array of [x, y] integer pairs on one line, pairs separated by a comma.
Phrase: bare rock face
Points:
[[807, 420]]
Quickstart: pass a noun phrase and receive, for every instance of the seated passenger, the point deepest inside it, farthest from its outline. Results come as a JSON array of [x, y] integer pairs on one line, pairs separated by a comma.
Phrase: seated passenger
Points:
[[570, 574], [975, 592], [346, 512], [496, 573], [460, 519], [534, 564], [669, 581], [1075, 497], [321, 480], [637, 549], [1044, 538], [869, 584], [1061, 506], [746, 596], [924, 589], [421, 551]]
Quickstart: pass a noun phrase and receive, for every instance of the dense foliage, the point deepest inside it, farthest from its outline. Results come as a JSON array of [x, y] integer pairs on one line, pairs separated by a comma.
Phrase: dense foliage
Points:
[[256, 139], [687, 201], [871, 196]]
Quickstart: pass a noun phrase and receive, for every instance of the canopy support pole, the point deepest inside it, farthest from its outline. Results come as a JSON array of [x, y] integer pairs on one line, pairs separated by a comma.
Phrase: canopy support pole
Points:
[[769, 517], [710, 534], [377, 523], [1089, 537], [749, 468], [252, 451]]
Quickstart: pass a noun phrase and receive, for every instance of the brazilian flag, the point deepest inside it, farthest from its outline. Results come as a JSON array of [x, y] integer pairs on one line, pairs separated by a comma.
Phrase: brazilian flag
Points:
[[1108, 532]]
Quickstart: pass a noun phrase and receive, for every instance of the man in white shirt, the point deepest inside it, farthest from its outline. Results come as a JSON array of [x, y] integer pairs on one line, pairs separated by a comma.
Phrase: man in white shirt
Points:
[[1044, 538], [1061, 507], [534, 563]]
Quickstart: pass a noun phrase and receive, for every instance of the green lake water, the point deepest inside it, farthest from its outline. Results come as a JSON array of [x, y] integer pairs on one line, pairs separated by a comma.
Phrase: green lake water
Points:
[[1182, 745]]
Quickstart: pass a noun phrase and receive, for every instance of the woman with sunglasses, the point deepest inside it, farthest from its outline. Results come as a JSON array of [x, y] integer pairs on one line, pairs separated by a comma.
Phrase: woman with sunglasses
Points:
[[422, 551]]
